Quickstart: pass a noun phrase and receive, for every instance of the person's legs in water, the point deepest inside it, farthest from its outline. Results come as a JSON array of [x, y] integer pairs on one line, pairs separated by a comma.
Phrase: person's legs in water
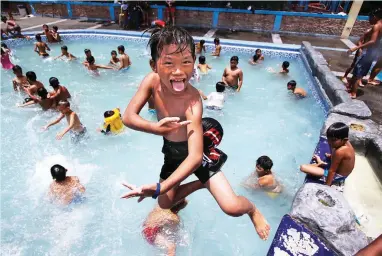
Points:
[[374, 72]]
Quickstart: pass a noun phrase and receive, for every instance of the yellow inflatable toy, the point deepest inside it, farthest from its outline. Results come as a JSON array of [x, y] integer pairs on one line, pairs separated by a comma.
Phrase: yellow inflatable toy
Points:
[[113, 123]]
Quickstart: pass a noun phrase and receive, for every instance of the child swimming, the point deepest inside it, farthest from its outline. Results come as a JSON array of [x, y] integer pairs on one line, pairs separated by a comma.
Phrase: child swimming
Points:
[[263, 177], [112, 122], [64, 52], [203, 66], [114, 59], [34, 85], [43, 100], [20, 81], [291, 85], [55, 34], [88, 53], [233, 75], [284, 68], [60, 92], [179, 111], [218, 47], [41, 47], [200, 47], [215, 99], [64, 189], [75, 126], [124, 59], [257, 57], [342, 157]]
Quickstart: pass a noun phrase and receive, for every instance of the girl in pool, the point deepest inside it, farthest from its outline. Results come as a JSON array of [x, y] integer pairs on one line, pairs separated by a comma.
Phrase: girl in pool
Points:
[[257, 57], [5, 59]]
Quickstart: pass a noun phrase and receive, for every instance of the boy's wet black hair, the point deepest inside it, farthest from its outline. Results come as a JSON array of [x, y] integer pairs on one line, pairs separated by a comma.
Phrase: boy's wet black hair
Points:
[[255, 57], [87, 50], [202, 42], [4, 18], [53, 81], [258, 50], [113, 52], [292, 83], [31, 76], [217, 40], [42, 92], [108, 113], [220, 87], [235, 58], [64, 47], [377, 13], [55, 28], [17, 68], [38, 38], [90, 59], [45, 26], [121, 48], [285, 64], [338, 130], [264, 162], [202, 60], [3, 45], [58, 172], [64, 103], [170, 35]]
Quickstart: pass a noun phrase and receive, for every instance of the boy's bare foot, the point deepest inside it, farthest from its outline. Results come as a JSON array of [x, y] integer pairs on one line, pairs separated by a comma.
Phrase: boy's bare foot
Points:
[[373, 82], [261, 225]]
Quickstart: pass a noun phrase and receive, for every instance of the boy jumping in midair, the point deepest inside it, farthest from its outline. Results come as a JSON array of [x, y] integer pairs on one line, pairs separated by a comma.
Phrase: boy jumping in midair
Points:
[[179, 111]]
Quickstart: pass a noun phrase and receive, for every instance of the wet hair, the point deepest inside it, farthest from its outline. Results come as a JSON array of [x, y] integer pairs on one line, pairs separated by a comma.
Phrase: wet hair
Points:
[[31, 76], [108, 113], [210, 124], [58, 172], [285, 64], [64, 103], [53, 81], [121, 48], [3, 45], [38, 38], [220, 87], [216, 40], [257, 50], [202, 60], [90, 59], [292, 83], [377, 13], [235, 58], [161, 37], [113, 52], [256, 57], [87, 51], [3, 18], [55, 28], [264, 162], [202, 42], [64, 47], [45, 26], [17, 68], [338, 130], [42, 92], [2, 51]]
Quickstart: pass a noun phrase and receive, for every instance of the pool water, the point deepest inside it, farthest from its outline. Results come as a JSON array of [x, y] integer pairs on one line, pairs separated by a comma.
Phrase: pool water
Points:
[[263, 119]]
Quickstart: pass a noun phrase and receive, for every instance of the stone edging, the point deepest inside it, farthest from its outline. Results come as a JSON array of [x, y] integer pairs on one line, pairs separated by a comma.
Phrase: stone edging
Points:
[[367, 140]]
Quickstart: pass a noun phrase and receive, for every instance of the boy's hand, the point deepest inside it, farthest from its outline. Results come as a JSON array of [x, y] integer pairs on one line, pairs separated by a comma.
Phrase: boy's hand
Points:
[[328, 155], [169, 124], [318, 159], [44, 128], [60, 135], [141, 192]]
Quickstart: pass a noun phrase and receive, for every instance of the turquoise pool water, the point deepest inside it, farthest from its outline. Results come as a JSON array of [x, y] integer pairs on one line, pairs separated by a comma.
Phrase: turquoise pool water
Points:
[[263, 119]]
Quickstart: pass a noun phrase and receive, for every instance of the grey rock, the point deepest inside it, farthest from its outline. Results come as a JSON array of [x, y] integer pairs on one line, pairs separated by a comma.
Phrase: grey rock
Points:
[[314, 57], [359, 139], [341, 96], [325, 211], [374, 155], [353, 108]]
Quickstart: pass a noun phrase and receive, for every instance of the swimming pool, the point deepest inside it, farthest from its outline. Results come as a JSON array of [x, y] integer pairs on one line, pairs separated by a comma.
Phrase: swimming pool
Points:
[[263, 119]]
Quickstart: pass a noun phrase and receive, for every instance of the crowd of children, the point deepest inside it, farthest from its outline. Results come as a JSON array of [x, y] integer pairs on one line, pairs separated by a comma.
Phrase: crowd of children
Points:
[[189, 141]]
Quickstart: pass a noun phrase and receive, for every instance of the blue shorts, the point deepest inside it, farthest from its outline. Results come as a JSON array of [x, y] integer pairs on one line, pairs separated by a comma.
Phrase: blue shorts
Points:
[[152, 111], [125, 69], [363, 65]]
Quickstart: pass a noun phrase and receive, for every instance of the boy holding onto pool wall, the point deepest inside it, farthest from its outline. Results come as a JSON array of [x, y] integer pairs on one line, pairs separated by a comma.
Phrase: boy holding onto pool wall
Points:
[[342, 157], [179, 111]]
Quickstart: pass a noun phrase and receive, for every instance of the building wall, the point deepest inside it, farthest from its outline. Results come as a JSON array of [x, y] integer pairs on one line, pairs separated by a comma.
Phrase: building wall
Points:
[[51, 9], [13, 7], [196, 18], [246, 21], [101, 12]]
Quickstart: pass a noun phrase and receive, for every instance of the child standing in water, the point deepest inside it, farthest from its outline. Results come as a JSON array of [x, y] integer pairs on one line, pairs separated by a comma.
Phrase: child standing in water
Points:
[[296, 91], [215, 99], [41, 47], [124, 60], [64, 189], [203, 66], [179, 111], [34, 85], [233, 75], [257, 57], [114, 59], [64, 52], [75, 126], [20, 81], [60, 92], [55, 34], [200, 47], [218, 47]]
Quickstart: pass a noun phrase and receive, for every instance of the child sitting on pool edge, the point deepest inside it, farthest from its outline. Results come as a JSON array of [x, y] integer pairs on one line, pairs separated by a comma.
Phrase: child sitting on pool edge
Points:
[[291, 86], [179, 110], [263, 178], [112, 122], [75, 127], [342, 157], [64, 189]]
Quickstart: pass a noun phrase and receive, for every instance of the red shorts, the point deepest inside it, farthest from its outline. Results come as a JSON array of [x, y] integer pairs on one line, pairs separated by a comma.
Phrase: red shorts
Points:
[[171, 9], [150, 233]]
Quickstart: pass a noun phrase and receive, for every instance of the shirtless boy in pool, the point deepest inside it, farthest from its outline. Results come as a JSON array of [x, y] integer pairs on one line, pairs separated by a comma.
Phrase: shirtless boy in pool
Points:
[[124, 59], [233, 75], [41, 47], [20, 80], [179, 111]]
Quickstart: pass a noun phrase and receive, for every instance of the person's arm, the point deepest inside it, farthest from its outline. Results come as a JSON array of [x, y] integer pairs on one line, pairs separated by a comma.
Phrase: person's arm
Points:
[[240, 81], [47, 47], [250, 183], [120, 65], [204, 48], [70, 126], [31, 95], [71, 56], [14, 85], [209, 67], [219, 48], [224, 75], [54, 122], [55, 94], [79, 186], [337, 158], [32, 102], [58, 57], [204, 97], [373, 39], [104, 67], [199, 66], [35, 48]]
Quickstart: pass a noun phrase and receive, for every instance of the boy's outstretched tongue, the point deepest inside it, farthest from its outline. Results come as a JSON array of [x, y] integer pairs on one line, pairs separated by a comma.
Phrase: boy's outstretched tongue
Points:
[[178, 85]]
